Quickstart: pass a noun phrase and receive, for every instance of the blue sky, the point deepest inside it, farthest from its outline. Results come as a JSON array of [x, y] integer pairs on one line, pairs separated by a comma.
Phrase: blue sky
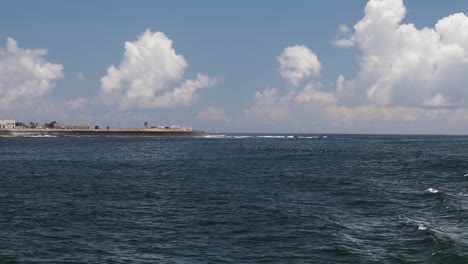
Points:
[[237, 45]]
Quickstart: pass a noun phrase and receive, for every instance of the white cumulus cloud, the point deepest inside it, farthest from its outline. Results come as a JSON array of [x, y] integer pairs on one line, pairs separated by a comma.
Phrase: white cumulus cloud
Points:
[[401, 65], [297, 63], [344, 40], [151, 75], [25, 75], [276, 105]]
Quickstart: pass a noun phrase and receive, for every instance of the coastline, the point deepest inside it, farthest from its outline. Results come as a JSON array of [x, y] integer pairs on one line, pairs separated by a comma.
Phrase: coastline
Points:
[[123, 132]]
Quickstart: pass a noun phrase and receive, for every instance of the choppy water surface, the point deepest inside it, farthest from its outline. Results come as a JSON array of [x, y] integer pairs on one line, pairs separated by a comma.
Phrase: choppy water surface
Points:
[[341, 199]]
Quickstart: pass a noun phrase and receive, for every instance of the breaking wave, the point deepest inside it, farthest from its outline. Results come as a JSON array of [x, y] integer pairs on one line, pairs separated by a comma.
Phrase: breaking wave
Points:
[[221, 136]]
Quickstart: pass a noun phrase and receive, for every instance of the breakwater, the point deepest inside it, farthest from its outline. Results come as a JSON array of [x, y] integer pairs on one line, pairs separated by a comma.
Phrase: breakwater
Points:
[[126, 132]]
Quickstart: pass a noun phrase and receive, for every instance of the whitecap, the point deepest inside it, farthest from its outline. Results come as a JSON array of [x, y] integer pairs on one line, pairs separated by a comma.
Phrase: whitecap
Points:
[[466, 175], [42, 136], [422, 227], [215, 136], [431, 190], [270, 136]]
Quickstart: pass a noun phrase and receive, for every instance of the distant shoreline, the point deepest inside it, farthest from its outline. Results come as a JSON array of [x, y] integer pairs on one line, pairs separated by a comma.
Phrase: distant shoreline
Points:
[[124, 132]]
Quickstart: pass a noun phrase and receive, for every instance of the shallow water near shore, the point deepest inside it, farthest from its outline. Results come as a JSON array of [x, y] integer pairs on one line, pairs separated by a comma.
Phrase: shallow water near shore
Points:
[[235, 199]]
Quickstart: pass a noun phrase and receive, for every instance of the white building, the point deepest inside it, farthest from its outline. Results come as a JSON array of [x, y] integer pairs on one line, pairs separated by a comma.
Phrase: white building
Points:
[[7, 124]]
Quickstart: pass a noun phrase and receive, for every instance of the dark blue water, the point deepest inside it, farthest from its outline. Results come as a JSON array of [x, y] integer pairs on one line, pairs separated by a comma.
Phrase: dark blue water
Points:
[[343, 199]]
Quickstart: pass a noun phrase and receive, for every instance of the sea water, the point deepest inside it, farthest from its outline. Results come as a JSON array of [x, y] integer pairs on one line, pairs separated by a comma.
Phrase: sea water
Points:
[[235, 199]]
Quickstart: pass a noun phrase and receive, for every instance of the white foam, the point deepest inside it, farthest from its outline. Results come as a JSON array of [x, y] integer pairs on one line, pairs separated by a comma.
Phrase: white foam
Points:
[[431, 190], [215, 136], [466, 175], [270, 136], [42, 136], [263, 136], [422, 227]]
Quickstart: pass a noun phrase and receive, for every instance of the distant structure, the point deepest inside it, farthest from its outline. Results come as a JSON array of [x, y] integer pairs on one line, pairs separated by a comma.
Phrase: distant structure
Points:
[[7, 124], [12, 128], [70, 126], [174, 128]]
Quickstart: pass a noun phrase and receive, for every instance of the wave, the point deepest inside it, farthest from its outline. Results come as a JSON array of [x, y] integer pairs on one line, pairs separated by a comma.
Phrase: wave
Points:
[[41, 136], [432, 190], [422, 227], [216, 136]]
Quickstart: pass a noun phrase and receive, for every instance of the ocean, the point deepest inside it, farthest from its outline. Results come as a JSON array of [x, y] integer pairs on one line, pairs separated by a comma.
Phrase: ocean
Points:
[[235, 199]]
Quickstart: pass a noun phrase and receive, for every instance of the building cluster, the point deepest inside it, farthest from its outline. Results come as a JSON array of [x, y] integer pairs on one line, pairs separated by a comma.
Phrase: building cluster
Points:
[[57, 125], [7, 124], [177, 127], [13, 124]]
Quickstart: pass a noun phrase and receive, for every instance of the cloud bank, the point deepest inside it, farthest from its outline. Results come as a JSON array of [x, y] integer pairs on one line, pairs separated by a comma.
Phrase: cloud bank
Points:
[[408, 79], [151, 75], [276, 105], [25, 75], [400, 65]]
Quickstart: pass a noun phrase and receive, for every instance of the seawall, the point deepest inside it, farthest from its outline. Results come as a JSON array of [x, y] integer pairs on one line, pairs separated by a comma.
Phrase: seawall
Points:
[[100, 133]]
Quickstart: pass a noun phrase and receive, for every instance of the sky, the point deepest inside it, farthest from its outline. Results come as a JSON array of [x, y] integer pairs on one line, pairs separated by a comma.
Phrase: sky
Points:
[[377, 66]]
